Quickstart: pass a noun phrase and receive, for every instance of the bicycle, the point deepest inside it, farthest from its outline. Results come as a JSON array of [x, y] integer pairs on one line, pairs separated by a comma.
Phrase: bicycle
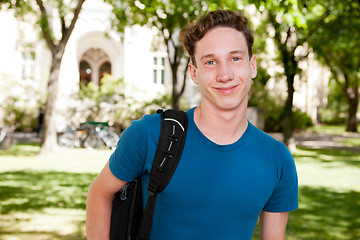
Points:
[[100, 137], [72, 137], [91, 135]]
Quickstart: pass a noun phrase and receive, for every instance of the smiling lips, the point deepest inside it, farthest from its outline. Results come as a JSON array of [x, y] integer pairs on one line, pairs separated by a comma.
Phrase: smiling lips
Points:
[[226, 90]]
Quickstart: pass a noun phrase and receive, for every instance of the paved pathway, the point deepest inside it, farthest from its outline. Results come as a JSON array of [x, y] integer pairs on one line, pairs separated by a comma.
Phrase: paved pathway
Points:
[[305, 138], [315, 140]]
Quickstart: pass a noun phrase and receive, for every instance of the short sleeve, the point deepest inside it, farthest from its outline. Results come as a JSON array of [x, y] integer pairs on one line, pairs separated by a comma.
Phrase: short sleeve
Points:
[[127, 161], [284, 198]]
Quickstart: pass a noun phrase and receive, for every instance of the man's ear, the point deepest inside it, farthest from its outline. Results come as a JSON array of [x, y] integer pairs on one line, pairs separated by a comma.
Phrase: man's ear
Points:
[[192, 70], [253, 66]]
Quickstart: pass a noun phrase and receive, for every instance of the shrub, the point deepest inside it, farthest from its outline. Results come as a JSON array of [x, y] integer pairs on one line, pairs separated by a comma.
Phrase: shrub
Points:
[[301, 120], [109, 103], [273, 120], [21, 101]]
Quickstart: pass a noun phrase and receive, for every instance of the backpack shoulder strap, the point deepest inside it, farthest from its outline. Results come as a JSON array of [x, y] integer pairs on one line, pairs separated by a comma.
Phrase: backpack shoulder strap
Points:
[[170, 146], [167, 156]]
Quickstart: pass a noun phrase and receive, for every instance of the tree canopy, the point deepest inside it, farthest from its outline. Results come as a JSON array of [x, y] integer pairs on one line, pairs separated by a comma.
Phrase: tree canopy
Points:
[[336, 43]]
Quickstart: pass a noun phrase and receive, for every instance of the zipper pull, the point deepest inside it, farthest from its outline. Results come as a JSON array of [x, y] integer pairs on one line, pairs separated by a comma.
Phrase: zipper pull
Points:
[[123, 194]]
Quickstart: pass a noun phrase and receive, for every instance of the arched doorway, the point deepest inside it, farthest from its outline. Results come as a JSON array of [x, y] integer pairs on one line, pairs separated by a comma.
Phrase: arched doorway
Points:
[[93, 65]]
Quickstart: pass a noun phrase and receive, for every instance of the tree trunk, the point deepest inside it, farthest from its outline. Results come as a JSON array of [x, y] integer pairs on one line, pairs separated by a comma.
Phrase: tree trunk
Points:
[[49, 141], [288, 111], [287, 56], [175, 55], [352, 122], [351, 90], [175, 95], [290, 68], [175, 101]]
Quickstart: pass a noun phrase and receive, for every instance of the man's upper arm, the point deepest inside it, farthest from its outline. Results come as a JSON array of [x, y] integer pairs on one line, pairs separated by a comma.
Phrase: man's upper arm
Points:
[[106, 182], [99, 204], [273, 225]]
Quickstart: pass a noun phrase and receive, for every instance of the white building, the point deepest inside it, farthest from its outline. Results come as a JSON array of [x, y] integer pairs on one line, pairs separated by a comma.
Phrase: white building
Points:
[[94, 48]]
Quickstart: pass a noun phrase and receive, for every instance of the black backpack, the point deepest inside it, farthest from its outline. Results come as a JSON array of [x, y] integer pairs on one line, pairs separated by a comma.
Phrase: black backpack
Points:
[[128, 221]]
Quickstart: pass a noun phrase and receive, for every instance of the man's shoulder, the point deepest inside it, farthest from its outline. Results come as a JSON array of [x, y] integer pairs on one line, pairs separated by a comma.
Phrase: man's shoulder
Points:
[[146, 120], [263, 136], [141, 129], [269, 143]]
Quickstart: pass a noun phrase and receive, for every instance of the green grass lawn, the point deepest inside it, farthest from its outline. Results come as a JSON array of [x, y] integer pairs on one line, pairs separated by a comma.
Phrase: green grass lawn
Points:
[[329, 195], [43, 197]]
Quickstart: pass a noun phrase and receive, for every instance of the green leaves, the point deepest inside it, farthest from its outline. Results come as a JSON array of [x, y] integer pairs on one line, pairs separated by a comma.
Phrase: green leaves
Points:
[[341, 35], [163, 14], [20, 7]]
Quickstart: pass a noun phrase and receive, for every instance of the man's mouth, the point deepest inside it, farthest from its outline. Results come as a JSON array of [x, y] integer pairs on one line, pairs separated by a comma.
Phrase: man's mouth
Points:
[[226, 90]]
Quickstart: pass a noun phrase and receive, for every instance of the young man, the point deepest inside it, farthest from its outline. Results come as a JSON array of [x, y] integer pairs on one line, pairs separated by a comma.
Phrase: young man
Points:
[[230, 172]]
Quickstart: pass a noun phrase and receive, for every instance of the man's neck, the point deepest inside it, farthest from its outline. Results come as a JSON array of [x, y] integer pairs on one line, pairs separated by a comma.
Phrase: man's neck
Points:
[[221, 127]]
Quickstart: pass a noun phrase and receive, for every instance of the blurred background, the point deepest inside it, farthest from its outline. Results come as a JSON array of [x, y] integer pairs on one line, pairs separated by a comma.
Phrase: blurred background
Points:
[[75, 73]]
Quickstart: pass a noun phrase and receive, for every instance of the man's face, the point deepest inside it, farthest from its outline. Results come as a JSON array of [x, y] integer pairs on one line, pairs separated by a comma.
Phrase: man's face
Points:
[[224, 72]]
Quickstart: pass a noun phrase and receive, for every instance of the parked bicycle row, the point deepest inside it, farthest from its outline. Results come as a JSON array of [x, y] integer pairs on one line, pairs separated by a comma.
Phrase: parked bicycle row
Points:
[[90, 135]]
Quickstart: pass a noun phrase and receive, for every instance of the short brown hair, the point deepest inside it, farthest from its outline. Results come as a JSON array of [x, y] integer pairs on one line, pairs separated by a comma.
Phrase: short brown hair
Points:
[[192, 33]]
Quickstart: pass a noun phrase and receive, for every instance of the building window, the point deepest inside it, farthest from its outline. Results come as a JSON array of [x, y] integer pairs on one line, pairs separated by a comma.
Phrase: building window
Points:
[[85, 73], [159, 70], [28, 64]]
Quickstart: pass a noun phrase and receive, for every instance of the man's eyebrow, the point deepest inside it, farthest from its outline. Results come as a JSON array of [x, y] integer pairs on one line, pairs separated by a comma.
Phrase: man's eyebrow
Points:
[[207, 56], [238, 52]]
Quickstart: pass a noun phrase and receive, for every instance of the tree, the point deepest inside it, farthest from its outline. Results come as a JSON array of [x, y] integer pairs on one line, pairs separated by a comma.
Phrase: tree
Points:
[[288, 20], [341, 53], [168, 17], [46, 12]]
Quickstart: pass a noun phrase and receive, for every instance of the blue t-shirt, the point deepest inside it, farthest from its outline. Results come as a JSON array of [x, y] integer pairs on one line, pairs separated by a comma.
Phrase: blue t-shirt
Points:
[[217, 191]]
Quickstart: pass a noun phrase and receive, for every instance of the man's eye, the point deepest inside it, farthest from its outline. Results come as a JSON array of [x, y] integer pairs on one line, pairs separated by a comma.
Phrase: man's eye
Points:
[[210, 63], [236, 59]]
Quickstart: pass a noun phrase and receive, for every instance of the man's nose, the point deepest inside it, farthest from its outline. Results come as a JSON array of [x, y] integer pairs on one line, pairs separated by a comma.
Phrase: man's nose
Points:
[[224, 73]]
